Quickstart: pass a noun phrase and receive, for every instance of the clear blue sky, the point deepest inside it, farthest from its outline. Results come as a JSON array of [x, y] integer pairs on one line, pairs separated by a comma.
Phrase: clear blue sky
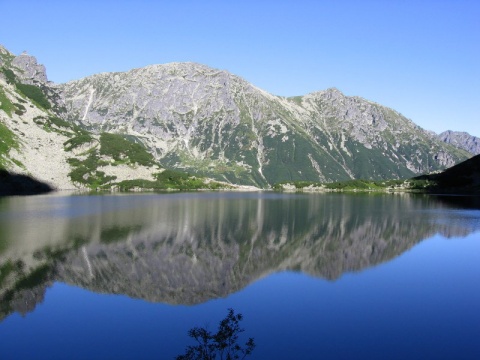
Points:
[[421, 58]]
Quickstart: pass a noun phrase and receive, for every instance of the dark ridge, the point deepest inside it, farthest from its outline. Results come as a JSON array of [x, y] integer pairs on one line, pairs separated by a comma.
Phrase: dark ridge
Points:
[[14, 184], [463, 177]]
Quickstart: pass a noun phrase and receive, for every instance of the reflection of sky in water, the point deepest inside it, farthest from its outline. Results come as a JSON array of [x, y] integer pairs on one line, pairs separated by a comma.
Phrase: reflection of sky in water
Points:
[[421, 300], [469, 219], [424, 304]]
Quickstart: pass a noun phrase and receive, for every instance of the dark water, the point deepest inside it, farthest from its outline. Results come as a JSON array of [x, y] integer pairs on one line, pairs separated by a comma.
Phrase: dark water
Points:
[[315, 276]]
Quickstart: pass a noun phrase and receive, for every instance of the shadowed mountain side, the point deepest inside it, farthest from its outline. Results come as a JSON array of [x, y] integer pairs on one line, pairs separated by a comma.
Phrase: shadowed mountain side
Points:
[[190, 249], [12, 184], [463, 177]]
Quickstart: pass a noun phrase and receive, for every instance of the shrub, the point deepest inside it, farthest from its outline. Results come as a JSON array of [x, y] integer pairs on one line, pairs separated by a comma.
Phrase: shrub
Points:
[[221, 345], [10, 75], [77, 140], [123, 150]]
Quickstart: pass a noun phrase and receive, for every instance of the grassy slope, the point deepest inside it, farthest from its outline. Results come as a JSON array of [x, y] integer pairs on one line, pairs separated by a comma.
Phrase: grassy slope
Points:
[[461, 178], [123, 150]]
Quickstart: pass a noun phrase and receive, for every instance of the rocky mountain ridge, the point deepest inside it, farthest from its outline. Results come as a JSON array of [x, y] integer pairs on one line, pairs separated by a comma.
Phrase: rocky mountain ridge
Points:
[[35, 141], [26, 147], [461, 140], [211, 123]]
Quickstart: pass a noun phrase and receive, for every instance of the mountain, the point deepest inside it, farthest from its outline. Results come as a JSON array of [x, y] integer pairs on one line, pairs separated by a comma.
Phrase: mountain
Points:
[[31, 143], [461, 140], [463, 177], [213, 123], [120, 130], [37, 143]]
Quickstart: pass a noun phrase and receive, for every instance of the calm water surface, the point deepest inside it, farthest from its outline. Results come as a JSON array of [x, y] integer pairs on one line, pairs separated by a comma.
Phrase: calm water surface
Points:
[[315, 276]]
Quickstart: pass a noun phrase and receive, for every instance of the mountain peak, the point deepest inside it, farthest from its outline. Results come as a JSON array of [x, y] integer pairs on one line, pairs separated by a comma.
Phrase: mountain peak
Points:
[[213, 123], [461, 140], [25, 66], [329, 93]]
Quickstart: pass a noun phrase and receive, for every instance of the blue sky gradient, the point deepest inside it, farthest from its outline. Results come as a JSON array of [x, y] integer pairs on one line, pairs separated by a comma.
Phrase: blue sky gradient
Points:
[[419, 57]]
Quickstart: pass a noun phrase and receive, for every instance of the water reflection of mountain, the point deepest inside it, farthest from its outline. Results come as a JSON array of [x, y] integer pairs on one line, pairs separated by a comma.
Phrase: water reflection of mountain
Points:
[[187, 249]]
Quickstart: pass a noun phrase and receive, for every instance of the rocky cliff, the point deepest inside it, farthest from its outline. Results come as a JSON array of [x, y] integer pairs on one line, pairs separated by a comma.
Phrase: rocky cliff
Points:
[[213, 123], [37, 142], [461, 140], [30, 142]]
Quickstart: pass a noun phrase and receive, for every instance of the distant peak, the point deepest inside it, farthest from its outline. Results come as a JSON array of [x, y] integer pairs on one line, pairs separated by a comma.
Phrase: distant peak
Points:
[[330, 92], [182, 66], [333, 89], [31, 69], [451, 132]]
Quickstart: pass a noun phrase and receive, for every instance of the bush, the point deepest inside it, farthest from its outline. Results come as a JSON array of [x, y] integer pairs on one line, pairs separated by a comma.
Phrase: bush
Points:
[[7, 142], [77, 140], [10, 75], [123, 150], [59, 122], [221, 345], [5, 104]]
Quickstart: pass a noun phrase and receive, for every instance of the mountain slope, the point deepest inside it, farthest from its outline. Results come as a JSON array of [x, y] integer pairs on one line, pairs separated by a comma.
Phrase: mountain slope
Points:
[[36, 142], [461, 140], [213, 123], [30, 142], [463, 177]]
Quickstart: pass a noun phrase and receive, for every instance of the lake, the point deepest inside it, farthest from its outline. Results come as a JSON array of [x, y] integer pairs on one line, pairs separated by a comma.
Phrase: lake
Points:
[[315, 276]]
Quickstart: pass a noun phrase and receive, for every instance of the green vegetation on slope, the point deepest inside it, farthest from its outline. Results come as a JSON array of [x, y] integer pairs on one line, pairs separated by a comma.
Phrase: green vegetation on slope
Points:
[[9, 75], [356, 185], [35, 94], [79, 139], [116, 149], [171, 180], [461, 178], [32, 92], [5, 104], [124, 151], [85, 171], [7, 142]]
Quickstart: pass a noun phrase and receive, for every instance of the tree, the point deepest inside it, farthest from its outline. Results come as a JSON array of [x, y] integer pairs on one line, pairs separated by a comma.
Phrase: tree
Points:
[[222, 345]]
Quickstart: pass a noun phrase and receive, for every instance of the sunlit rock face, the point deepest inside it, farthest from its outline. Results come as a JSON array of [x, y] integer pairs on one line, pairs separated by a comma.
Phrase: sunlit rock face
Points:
[[213, 123], [462, 140], [183, 249], [30, 72]]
